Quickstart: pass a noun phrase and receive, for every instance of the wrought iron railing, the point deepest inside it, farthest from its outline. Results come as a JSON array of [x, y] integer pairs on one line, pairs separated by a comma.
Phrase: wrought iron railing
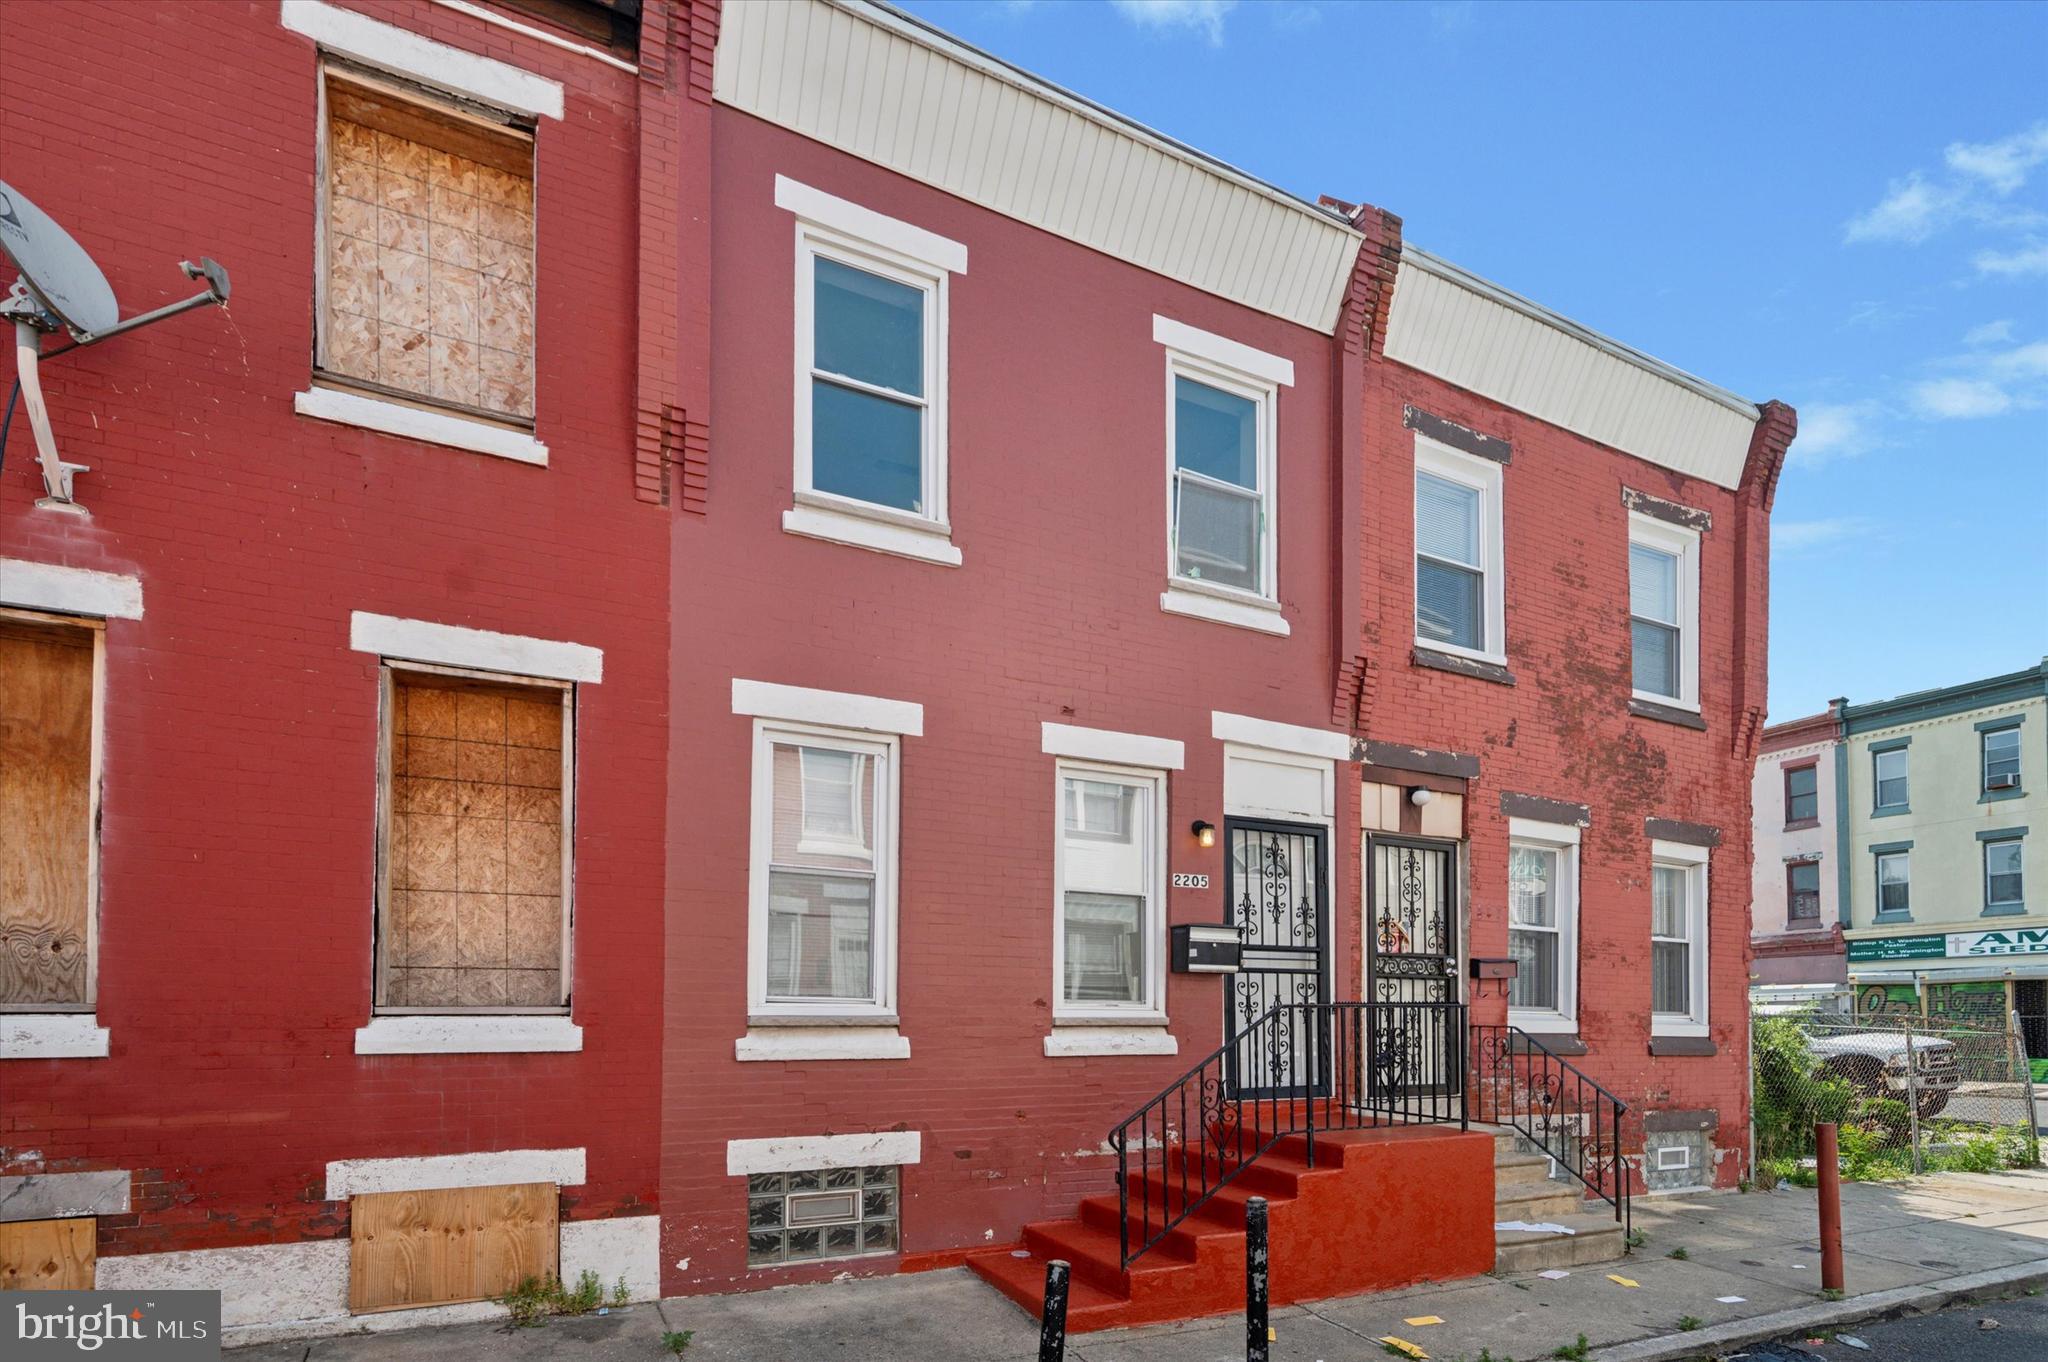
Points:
[[1298, 1069], [1520, 1083]]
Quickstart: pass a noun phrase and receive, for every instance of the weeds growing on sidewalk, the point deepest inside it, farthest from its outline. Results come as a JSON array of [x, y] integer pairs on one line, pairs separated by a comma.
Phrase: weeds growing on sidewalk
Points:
[[536, 1298], [675, 1340], [1574, 1352]]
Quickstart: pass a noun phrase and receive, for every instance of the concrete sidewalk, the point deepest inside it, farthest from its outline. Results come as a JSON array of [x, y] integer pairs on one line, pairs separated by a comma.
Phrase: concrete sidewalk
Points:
[[1900, 1239]]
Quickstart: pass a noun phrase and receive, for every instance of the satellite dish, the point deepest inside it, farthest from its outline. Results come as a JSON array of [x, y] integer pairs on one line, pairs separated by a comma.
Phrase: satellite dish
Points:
[[60, 287], [55, 268]]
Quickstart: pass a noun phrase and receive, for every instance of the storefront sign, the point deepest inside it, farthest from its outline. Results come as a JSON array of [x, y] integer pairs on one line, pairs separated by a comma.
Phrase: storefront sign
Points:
[[1897, 948], [1953, 946], [2015, 941]]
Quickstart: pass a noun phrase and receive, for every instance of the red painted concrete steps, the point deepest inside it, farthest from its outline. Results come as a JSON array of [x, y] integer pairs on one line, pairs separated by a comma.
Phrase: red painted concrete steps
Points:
[[1380, 1209]]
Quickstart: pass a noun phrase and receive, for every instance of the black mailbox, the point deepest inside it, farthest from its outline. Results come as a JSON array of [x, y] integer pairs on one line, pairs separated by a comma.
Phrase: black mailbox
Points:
[[1206, 948], [1495, 968]]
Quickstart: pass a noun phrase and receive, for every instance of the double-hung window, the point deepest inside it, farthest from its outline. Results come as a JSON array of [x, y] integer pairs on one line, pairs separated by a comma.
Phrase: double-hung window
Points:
[[1460, 582], [1663, 610], [1221, 528], [2000, 760], [870, 415], [1802, 891], [1802, 794], [1889, 776], [1110, 870], [1678, 939], [1894, 883], [1543, 913], [2004, 873]]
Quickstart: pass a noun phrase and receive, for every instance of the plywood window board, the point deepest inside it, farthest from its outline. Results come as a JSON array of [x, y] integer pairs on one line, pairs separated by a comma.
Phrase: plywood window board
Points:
[[476, 824], [50, 670], [427, 252], [48, 1255], [439, 1247]]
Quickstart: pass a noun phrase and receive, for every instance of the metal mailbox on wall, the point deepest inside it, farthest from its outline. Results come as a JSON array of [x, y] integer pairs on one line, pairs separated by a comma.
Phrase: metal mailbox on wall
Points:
[[1206, 948]]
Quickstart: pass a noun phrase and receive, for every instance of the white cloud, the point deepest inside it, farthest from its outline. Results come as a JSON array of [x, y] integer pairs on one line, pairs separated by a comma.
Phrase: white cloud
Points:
[[1911, 211], [2025, 262], [1200, 16], [2003, 165], [2027, 361], [1833, 430], [1959, 398], [1792, 536], [1990, 333]]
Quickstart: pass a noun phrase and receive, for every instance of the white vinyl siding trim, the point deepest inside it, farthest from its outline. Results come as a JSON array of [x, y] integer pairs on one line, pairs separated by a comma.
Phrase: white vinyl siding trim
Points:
[[1475, 335], [1692, 863], [885, 88], [1682, 545], [1144, 876], [1482, 476], [1559, 841]]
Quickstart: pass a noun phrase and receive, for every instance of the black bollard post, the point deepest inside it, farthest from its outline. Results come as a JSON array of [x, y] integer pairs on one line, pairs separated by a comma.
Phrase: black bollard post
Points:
[[1052, 1326], [1257, 1337]]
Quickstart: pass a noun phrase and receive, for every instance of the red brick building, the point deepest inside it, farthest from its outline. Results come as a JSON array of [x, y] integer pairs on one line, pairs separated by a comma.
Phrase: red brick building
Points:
[[1000, 535]]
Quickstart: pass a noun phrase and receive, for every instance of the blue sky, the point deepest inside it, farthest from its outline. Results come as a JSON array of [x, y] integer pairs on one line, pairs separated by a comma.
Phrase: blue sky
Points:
[[1842, 205]]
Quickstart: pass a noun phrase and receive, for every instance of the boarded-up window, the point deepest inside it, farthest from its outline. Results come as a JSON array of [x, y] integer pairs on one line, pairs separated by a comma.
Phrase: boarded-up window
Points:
[[48, 1255], [452, 1244], [429, 250], [46, 815], [475, 892]]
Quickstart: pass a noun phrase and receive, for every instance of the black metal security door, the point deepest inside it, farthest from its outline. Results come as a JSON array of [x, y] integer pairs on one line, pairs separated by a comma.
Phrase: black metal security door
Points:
[[1277, 896], [1412, 957]]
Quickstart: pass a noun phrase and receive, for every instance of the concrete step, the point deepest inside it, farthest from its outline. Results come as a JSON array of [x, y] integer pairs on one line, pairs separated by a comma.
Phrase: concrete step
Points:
[[1521, 1167], [1597, 1239], [1536, 1201]]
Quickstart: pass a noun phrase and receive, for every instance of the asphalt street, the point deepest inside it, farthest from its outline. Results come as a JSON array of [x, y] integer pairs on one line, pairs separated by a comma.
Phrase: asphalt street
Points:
[[1956, 1334]]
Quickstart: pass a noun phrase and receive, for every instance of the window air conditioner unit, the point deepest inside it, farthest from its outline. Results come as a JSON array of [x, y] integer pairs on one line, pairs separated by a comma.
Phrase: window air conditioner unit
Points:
[[2009, 781]]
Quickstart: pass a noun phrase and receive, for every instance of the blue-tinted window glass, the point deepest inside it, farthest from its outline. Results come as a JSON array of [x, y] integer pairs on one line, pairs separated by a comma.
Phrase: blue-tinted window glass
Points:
[[866, 447], [1215, 433], [869, 328]]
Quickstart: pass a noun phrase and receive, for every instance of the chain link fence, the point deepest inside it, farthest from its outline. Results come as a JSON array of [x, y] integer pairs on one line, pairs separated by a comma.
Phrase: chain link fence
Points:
[[1910, 1094]]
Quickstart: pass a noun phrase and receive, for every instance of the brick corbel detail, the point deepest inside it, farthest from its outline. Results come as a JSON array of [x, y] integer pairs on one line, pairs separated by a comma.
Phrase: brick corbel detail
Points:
[[1776, 424], [671, 395]]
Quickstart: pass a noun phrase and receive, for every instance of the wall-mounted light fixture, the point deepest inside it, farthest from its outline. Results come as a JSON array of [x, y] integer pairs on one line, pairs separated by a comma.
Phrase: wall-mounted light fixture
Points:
[[1419, 796], [1205, 833]]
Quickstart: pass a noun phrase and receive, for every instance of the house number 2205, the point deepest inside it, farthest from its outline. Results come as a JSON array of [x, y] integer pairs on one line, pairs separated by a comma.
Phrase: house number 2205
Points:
[[1186, 881]]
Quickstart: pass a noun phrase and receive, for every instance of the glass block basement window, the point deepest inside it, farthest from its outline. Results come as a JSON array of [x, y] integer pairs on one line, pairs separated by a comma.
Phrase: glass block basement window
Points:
[[824, 1213]]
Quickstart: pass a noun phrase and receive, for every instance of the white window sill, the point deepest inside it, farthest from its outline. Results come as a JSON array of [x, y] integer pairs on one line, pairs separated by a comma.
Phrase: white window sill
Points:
[[1543, 1023], [841, 527], [1265, 617], [1437, 645], [468, 1035], [414, 423], [52, 1035], [822, 1043], [1068, 1040], [1668, 701], [1661, 1027]]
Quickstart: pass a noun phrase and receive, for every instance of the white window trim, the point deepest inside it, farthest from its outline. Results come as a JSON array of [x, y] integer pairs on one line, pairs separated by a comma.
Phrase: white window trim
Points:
[[802, 1153], [1683, 543], [433, 1172], [827, 708], [1299, 739], [879, 1012], [1984, 870], [866, 240], [1080, 1041], [1562, 838], [1878, 912], [472, 433], [1483, 476], [459, 1033], [406, 53], [65, 1030], [69, 590], [1694, 860], [1112, 748], [1151, 1010], [52, 1035], [772, 1044], [1219, 362], [452, 645]]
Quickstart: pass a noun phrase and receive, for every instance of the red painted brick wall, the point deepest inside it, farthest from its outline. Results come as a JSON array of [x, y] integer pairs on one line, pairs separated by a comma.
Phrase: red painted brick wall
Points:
[[1563, 730], [1058, 504], [240, 775]]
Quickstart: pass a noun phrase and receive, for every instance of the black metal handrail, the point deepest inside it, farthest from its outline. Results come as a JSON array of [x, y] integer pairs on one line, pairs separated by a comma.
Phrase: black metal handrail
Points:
[[1298, 1069], [1521, 1083]]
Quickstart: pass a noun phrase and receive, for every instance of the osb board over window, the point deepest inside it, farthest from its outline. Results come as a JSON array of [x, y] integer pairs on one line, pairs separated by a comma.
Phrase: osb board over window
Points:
[[429, 250], [448, 1245], [474, 847], [48, 1255], [46, 814]]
